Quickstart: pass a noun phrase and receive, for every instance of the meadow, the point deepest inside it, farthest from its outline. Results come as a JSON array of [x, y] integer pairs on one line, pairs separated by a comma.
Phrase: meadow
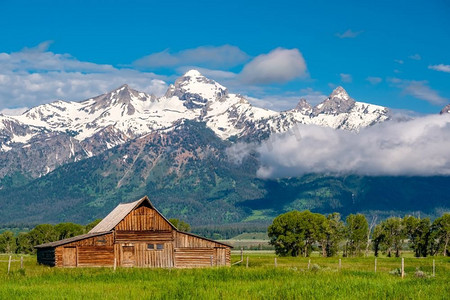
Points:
[[290, 279]]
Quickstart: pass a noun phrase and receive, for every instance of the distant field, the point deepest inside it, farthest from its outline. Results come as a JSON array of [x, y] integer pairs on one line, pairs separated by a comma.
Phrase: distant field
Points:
[[261, 280], [250, 241]]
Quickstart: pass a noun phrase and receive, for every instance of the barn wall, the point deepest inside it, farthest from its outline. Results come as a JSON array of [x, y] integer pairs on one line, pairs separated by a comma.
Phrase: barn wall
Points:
[[94, 251], [46, 256], [192, 252], [143, 218], [184, 240], [143, 257], [193, 257], [147, 235]]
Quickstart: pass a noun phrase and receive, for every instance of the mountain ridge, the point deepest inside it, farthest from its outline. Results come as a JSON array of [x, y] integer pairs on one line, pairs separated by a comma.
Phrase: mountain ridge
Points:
[[50, 135]]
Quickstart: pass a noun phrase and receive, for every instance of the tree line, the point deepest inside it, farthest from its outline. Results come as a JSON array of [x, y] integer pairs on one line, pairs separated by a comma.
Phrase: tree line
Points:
[[24, 242], [298, 233], [44, 233]]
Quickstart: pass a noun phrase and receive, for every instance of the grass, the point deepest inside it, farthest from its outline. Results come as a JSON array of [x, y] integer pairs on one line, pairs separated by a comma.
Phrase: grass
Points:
[[290, 280]]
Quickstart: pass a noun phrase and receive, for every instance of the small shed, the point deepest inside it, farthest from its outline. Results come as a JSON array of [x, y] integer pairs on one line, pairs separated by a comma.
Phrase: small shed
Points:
[[135, 234]]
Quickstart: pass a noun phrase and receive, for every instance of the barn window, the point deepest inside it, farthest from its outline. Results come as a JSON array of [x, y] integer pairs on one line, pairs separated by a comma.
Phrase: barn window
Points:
[[150, 246], [159, 246]]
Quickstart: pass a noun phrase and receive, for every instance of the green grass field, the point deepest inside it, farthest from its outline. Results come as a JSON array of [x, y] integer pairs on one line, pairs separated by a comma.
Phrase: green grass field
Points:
[[291, 279]]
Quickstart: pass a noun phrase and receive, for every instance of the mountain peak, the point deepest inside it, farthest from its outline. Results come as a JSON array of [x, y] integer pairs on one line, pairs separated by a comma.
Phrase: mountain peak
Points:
[[338, 102], [196, 90], [303, 106], [445, 110], [339, 93], [192, 73]]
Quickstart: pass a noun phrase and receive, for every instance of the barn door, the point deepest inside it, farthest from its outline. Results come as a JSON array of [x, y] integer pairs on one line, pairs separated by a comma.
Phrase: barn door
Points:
[[69, 257], [128, 259]]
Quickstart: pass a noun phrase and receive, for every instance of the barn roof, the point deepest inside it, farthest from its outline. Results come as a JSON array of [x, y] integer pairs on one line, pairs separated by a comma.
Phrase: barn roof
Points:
[[72, 239], [120, 212]]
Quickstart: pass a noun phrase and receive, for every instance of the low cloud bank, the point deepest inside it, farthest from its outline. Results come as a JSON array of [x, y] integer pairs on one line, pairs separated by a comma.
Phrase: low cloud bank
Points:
[[419, 147]]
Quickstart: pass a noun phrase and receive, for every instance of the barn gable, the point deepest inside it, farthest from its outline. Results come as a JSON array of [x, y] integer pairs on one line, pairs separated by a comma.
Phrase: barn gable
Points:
[[137, 215]]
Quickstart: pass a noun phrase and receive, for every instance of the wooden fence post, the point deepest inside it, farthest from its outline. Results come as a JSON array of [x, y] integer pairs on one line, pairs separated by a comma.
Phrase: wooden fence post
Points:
[[309, 263], [434, 269], [21, 262], [403, 267], [242, 253], [275, 262], [375, 264], [9, 264], [340, 264], [115, 264], [211, 257], [247, 263]]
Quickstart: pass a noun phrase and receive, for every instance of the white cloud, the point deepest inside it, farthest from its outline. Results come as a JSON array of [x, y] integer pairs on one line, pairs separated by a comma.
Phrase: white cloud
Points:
[[278, 66], [13, 111], [440, 67], [346, 77], [348, 34], [415, 147], [399, 61], [374, 80], [415, 57], [35, 75], [419, 90], [205, 56]]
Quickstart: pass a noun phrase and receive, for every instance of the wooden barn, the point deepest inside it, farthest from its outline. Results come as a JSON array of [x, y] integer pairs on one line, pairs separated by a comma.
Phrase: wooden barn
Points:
[[135, 235]]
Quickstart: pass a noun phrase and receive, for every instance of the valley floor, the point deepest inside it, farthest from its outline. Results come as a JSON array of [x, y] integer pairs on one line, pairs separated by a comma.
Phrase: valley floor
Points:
[[291, 279]]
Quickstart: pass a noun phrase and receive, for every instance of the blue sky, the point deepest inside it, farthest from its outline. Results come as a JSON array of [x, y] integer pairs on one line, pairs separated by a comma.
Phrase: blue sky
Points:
[[391, 53]]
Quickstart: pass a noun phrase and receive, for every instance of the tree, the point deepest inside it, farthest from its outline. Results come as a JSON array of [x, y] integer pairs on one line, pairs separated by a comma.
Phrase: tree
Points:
[[24, 244], [285, 234], [67, 230], [40, 234], [7, 242], [334, 233], [294, 233], [389, 236], [356, 231], [440, 235], [377, 238], [180, 225], [91, 225], [369, 231], [417, 231]]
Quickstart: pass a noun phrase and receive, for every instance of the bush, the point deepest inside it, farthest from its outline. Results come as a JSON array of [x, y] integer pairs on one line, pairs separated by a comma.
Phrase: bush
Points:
[[396, 271], [315, 267], [420, 274]]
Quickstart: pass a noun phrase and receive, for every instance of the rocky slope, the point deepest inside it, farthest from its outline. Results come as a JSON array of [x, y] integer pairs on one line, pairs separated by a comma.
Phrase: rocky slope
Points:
[[187, 175]]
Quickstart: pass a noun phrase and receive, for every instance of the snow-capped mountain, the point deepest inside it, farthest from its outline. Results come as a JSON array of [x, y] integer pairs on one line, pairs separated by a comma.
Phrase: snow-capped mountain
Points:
[[50, 135], [445, 110]]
